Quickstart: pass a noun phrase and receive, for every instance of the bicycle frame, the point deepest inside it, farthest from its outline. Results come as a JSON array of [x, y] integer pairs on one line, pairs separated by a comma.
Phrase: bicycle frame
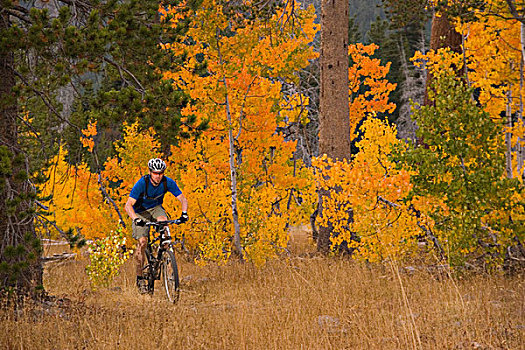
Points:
[[159, 227]]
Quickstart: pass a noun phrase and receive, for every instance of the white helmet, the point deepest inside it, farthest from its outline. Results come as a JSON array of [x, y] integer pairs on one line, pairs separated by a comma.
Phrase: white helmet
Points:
[[157, 165]]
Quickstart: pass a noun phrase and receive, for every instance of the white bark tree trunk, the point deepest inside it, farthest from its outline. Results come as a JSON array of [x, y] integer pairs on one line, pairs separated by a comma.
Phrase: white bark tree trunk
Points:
[[233, 166], [521, 149], [508, 136]]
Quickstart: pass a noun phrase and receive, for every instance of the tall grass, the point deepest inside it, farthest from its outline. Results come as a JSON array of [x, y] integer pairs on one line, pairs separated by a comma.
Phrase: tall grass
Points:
[[299, 302]]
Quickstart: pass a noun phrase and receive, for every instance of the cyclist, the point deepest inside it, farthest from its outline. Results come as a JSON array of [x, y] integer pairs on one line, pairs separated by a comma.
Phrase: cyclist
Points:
[[145, 204]]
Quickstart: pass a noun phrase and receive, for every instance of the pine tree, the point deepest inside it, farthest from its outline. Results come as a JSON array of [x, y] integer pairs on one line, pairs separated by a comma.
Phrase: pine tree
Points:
[[19, 247], [398, 38]]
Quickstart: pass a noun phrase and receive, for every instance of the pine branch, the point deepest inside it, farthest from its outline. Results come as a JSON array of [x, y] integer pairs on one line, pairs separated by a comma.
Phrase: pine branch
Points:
[[44, 99], [35, 134]]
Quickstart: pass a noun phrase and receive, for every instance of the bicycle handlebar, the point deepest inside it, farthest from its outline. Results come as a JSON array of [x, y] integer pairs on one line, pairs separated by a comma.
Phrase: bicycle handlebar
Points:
[[163, 223]]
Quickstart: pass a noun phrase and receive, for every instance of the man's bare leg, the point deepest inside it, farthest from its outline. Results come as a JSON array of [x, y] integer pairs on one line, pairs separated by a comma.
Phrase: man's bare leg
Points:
[[139, 255]]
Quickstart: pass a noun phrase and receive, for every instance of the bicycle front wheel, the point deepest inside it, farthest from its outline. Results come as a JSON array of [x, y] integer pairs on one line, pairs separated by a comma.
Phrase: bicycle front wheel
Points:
[[170, 276]]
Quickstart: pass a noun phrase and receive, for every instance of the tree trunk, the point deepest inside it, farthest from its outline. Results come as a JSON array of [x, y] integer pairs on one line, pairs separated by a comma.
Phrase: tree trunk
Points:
[[508, 135], [520, 108], [334, 123], [233, 176], [233, 167], [20, 265], [412, 90], [442, 34]]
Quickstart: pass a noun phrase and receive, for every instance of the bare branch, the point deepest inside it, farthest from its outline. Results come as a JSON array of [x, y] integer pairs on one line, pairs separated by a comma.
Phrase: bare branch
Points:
[[41, 205], [514, 11], [56, 257], [62, 233], [233, 167], [104, 192], [78, 3], [509, 251], [21, 15], [119, 67], [108, 198], [425, 229], [386, 201]]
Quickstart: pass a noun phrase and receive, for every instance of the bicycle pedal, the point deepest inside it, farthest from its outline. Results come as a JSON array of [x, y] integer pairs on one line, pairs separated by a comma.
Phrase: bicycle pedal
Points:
[[143, 286]]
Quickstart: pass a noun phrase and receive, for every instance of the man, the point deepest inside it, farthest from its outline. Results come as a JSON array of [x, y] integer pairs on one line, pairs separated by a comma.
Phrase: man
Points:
[[145, 204]]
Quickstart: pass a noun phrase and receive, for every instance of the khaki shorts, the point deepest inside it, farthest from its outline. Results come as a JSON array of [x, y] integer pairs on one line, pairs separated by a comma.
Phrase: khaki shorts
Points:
[[148, 215]]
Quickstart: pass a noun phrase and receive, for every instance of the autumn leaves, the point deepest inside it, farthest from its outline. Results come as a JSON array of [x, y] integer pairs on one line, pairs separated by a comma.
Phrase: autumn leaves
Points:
[[244, 186]]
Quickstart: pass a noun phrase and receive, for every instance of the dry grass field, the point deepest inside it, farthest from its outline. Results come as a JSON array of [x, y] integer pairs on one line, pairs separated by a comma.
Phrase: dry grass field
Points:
[[299, 302]]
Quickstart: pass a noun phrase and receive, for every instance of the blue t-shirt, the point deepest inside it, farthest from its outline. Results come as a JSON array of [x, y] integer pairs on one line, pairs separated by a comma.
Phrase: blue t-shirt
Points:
[[155, 195]]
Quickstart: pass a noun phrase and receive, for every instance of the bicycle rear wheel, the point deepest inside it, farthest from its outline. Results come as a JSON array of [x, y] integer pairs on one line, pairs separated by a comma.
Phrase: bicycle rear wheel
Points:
[[170, 276]]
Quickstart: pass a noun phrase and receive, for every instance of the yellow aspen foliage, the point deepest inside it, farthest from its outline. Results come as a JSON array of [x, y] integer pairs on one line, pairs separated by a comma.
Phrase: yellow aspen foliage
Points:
[[130, 163], [367, 211], [490, 63], [76, 199], [271, 193], [366, 73], [89, 133], [477, 209], [492, 49], [269, 196], [438, 62], [240, 93]]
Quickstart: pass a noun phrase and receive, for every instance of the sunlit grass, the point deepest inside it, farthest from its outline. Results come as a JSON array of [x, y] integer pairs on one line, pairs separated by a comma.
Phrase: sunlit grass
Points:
[[302, 301]]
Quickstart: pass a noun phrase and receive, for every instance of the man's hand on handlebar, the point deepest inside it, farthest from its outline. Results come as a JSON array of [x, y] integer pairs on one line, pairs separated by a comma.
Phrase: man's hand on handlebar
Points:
[[139, 222], [184, 217]]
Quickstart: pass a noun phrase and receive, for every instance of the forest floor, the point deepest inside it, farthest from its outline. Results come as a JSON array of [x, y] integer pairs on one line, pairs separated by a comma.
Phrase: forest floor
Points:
[[302, 301]]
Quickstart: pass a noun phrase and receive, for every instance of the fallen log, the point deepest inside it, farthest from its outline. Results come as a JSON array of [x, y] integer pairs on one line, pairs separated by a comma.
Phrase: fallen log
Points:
[[55, 257]]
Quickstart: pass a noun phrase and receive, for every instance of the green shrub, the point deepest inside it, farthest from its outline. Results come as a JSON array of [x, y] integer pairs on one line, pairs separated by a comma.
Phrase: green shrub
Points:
[[106, 256]]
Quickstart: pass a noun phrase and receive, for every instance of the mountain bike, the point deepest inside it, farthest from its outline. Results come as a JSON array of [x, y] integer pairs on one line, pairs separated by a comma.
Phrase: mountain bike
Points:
[[161, 263]]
